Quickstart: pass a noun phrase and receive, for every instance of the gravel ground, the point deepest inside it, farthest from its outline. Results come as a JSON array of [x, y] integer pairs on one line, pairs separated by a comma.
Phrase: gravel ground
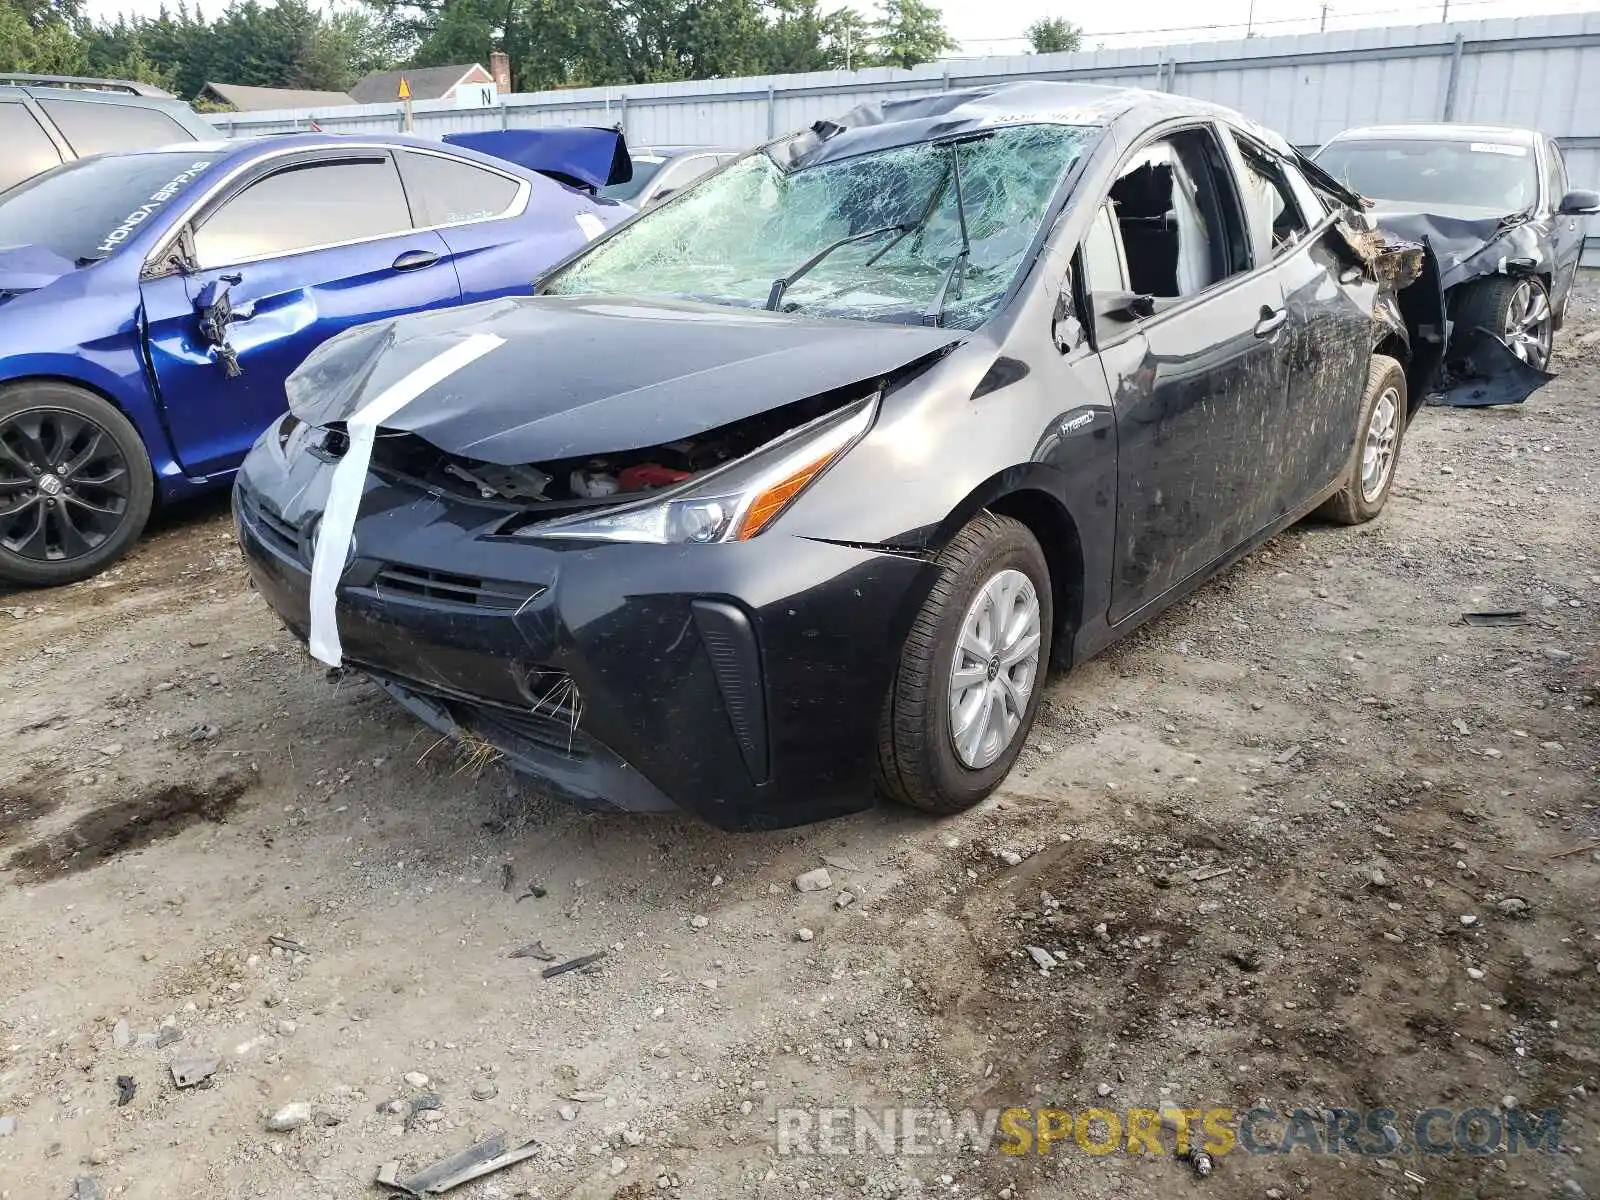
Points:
[[1309, 840]]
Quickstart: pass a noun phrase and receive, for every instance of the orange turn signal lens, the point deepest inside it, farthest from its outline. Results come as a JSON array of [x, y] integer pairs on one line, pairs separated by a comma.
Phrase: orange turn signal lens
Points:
[[769, 503]]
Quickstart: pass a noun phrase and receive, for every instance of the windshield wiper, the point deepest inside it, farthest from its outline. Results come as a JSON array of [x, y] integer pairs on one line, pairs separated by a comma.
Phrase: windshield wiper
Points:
[[935, 311], [784, 283]]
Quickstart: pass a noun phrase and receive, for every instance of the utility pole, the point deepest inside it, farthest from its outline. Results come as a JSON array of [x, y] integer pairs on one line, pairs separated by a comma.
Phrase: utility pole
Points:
[[1323, 28], [1250, 21], [1445, 16]]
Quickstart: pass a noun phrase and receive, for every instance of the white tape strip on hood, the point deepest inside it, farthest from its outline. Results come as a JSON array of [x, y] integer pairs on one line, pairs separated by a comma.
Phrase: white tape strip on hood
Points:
[[350, 478]]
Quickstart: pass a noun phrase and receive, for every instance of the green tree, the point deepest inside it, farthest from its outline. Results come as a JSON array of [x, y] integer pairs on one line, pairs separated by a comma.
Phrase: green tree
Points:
[[847, 39], [38, 37], [908, 32], [1054, 35]]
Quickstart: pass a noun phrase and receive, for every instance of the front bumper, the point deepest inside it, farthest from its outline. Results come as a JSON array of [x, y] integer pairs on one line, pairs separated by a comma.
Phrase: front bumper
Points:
[[741, 682]]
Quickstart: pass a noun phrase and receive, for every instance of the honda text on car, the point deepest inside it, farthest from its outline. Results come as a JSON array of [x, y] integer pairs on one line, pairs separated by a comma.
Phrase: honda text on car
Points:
[[791, 489], [152, 303]]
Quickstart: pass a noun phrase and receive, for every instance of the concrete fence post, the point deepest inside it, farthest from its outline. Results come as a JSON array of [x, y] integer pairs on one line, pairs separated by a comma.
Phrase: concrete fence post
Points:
[[1455, 81]]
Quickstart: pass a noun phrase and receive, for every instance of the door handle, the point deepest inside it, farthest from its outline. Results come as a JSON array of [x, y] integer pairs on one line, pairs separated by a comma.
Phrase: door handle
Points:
[[1350, 275], [415, 260], [1270, 320]]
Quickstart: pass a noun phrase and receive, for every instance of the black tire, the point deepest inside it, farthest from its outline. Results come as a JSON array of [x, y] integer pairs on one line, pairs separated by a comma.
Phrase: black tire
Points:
[[1487, 304], [97, 489], [917, 762], [1351, 505]]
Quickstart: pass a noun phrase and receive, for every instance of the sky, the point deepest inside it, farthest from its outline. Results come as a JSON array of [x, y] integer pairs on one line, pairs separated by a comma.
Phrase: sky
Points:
[[997, 26]]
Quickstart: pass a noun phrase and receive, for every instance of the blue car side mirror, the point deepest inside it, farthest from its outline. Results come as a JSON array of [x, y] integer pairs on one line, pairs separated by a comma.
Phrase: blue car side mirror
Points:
[[216, 313]]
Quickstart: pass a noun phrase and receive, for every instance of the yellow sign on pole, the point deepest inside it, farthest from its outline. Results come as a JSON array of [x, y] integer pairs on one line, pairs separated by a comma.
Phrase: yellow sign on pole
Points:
[[405, 99], [405, 88]]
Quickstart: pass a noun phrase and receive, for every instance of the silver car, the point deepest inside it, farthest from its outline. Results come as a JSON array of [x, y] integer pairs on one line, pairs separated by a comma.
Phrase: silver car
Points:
[[659, 172]]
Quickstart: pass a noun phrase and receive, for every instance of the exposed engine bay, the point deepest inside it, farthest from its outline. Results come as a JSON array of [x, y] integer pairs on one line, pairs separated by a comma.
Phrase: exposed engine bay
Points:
[[591, 481]]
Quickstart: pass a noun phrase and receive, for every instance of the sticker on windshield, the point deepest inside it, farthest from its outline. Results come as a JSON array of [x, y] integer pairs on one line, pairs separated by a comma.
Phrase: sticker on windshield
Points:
[[150, 207], [1499, 148]]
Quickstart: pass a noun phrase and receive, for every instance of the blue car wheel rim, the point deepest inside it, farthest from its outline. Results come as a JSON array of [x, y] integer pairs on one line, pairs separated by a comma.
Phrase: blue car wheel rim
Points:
[[64, 485]]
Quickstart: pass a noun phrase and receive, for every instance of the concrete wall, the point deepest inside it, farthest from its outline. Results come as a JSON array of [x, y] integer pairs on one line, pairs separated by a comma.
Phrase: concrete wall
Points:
[[1537, 71]]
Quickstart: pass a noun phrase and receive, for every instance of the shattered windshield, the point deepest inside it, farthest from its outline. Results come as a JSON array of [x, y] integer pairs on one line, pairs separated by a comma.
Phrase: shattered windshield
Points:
[[730, 238], [1491, 175]]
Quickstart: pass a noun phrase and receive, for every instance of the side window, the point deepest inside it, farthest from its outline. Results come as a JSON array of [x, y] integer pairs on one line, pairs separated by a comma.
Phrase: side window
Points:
[[1103, 269], [314, 204], [1273, 216], [28, 149], [1555, 175], [447, 191], [1179, 216], [94, 128]]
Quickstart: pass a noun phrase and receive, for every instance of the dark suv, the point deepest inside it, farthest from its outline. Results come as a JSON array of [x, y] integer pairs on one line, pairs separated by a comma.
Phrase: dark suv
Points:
[[46, 120]]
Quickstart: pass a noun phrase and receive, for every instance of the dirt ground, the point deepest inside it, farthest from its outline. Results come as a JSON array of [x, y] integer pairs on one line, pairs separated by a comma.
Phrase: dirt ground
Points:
[[1308, 841]]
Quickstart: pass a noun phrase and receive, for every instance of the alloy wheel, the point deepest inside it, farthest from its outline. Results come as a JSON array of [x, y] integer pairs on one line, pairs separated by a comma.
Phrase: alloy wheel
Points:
[[64, 484], [1377, 451], [994, 668], [1529, 327]]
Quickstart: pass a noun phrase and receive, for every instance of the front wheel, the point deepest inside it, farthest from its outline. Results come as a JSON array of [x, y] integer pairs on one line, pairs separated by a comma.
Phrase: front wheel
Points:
[[971, 671], [75, 484], [1381, 428], [1515, 310]]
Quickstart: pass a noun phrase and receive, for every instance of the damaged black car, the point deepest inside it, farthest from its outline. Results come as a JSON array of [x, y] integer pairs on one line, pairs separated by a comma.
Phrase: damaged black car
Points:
[[788, 492], [1496, 208]]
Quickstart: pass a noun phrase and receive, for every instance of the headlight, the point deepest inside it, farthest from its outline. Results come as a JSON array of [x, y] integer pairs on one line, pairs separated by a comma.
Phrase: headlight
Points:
[[733, 503], [292, 434]]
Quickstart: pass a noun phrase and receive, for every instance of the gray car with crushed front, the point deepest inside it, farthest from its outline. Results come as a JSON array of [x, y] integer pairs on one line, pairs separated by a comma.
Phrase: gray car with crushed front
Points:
[[1498, 210]]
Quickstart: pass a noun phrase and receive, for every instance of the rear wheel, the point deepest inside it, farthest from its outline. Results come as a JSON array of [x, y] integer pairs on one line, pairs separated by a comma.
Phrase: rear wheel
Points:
[[1515, 310], [75, 484], [968, 685], [1382, 427]]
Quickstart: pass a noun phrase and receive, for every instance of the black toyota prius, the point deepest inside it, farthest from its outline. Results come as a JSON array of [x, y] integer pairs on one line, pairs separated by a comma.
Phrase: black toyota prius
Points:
[[788, 492]]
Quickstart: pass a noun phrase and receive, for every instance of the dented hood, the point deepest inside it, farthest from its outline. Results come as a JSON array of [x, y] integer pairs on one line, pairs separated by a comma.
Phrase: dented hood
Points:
[[1469, 244], [582, 375]]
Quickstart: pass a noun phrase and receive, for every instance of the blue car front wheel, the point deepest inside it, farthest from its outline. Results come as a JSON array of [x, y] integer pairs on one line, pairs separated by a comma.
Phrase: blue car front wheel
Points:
[[75, 484]]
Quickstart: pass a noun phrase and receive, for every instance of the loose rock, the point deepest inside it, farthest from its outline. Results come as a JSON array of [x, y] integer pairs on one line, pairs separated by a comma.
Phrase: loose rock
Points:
[[290, 1116], [814, 881]]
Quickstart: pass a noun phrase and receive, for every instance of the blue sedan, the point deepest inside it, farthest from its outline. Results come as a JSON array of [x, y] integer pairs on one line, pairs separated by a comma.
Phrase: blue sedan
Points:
[[153, 302]]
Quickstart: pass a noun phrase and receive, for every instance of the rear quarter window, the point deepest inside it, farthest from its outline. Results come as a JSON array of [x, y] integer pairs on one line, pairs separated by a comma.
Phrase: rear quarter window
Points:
[[93, 127], [447, 191]]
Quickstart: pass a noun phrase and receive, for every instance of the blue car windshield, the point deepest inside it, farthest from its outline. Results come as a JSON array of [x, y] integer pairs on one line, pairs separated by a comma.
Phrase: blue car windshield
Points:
[[727, 238], [85, 211]]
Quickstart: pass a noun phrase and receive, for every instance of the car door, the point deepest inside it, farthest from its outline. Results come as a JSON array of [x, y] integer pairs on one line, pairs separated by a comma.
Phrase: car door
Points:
[[304, 247], [501, 231], [1328, 337], [1566, 232], [1194, 339]]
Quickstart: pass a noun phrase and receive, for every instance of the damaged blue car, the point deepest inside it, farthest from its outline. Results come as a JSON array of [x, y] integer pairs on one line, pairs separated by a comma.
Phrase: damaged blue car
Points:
[[153, 302]]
